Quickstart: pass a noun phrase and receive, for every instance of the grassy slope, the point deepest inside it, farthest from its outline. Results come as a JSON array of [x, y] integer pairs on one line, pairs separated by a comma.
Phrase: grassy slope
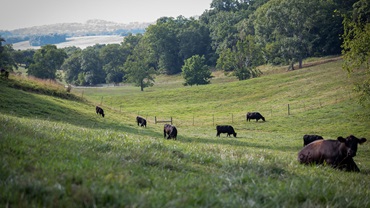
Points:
[[59, 153]]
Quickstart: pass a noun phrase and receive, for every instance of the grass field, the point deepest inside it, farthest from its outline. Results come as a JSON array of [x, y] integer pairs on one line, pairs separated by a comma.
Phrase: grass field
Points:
[[56, 152]]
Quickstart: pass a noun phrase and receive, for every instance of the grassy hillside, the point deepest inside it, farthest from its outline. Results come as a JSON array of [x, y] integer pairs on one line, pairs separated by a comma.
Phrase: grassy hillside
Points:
[[57, 152]]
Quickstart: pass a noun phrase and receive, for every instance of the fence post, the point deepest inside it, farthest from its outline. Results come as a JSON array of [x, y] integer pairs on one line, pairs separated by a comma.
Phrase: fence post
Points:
[[288, 109], [171, 120], [213, 115], [155, 119], [271, 112]]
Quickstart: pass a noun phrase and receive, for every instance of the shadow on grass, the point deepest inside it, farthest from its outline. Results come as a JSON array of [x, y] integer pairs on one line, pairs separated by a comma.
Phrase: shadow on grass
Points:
[[22, 104]]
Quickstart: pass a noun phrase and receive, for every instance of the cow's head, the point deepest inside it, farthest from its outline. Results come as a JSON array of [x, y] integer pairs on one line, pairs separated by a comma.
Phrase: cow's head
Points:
[[234, 134], [351, 143]]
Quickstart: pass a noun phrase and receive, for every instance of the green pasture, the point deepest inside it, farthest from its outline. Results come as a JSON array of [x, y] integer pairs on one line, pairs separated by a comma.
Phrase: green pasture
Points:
[[57, 152]]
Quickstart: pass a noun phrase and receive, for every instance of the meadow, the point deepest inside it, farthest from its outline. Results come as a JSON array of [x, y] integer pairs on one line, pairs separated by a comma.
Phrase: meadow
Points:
[[56, 152]]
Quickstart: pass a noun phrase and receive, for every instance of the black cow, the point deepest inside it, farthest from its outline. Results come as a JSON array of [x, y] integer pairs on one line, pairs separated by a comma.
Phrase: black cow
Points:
[[140, 121], [99, 110], [4, 73], [337, 153], [254, 115], [308, 138], [170, 131], [225, 129]]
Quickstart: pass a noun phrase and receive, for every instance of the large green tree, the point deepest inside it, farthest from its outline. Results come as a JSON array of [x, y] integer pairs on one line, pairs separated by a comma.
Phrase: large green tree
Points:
[[113, 57], [163, 40], [356, 45], [72, 68], [242, 59], [175, 39], [139, 68], [6, 59], [289, 29], [91, 66], [195, 71], [46, 61]]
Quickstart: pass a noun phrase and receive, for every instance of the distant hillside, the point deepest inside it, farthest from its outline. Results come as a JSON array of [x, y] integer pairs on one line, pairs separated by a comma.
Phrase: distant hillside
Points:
[[80, 42], [90, 27]]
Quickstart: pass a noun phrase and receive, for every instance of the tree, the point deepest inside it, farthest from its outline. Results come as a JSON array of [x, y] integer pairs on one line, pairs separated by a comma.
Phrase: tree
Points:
[[164, 43], [356, 45], [194, 39], [6, 59], [242, 59], [195, 72], [46, 61], [72, 68], [292, 27], [113, 57], [139, 66], [92, 66], [24, 57]]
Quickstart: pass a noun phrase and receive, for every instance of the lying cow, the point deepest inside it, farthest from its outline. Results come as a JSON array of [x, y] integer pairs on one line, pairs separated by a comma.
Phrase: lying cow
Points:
[[170, 131], [225, 129], [254, 115], [308, 138], [337, 153], [140, 121], [99, 110]]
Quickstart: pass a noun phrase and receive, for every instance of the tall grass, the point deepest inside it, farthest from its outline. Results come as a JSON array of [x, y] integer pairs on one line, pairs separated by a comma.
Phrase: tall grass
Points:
[[58, 153]]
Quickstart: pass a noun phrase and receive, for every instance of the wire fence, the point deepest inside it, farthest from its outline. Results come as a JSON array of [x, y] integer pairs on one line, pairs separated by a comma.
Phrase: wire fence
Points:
[[227, 116]]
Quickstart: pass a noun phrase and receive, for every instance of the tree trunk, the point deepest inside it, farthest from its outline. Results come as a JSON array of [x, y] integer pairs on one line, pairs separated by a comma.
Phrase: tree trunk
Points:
[[300, 63], [142, 85]]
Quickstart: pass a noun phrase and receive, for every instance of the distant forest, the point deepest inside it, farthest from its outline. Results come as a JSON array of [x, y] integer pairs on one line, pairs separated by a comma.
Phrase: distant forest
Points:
[[235, 36]]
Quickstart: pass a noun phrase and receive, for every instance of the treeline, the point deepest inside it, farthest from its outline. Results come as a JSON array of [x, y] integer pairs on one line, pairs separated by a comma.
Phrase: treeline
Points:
[[234, 35], [40, 40]]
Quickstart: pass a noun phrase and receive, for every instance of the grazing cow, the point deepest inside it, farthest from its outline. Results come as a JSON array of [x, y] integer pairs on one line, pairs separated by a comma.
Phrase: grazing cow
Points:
[[99, 110], [140, 121], [337, 153], [254, 115], [170, 131], [310, 138], [225, 129], [4, 73]]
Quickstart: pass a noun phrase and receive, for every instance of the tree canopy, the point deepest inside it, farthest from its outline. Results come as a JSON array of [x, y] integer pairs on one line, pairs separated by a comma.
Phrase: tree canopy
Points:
[[139, 66], [46, 61], [356, 45], [195, 71], [233, 35]]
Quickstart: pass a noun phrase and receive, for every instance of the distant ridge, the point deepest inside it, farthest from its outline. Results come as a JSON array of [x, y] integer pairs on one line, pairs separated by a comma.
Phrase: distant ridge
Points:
[[90, 27]]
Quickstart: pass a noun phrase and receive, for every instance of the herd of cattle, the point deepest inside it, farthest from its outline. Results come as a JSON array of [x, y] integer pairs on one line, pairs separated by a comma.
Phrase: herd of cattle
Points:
[[337, 153]]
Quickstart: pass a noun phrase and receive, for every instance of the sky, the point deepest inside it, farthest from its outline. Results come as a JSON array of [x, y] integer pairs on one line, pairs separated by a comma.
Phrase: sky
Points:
[[16, 14]]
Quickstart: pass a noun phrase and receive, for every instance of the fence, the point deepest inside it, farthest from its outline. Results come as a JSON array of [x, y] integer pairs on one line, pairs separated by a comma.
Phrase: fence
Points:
[[228, 116], [162, 121]]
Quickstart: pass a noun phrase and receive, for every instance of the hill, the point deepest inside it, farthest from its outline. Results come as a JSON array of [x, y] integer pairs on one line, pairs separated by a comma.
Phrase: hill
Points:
[[58, 153], [90, 27], [80, 42]]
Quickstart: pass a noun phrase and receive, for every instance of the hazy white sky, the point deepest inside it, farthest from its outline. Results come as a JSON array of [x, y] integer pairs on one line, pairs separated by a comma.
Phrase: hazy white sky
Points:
[[15, 14]]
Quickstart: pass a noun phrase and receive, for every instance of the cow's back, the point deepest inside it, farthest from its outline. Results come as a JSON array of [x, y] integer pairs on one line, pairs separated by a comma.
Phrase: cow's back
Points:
[[320, 151]]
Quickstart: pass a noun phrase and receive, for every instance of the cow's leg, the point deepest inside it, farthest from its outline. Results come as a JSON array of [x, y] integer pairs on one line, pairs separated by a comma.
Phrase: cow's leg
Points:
[[351, 165]]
